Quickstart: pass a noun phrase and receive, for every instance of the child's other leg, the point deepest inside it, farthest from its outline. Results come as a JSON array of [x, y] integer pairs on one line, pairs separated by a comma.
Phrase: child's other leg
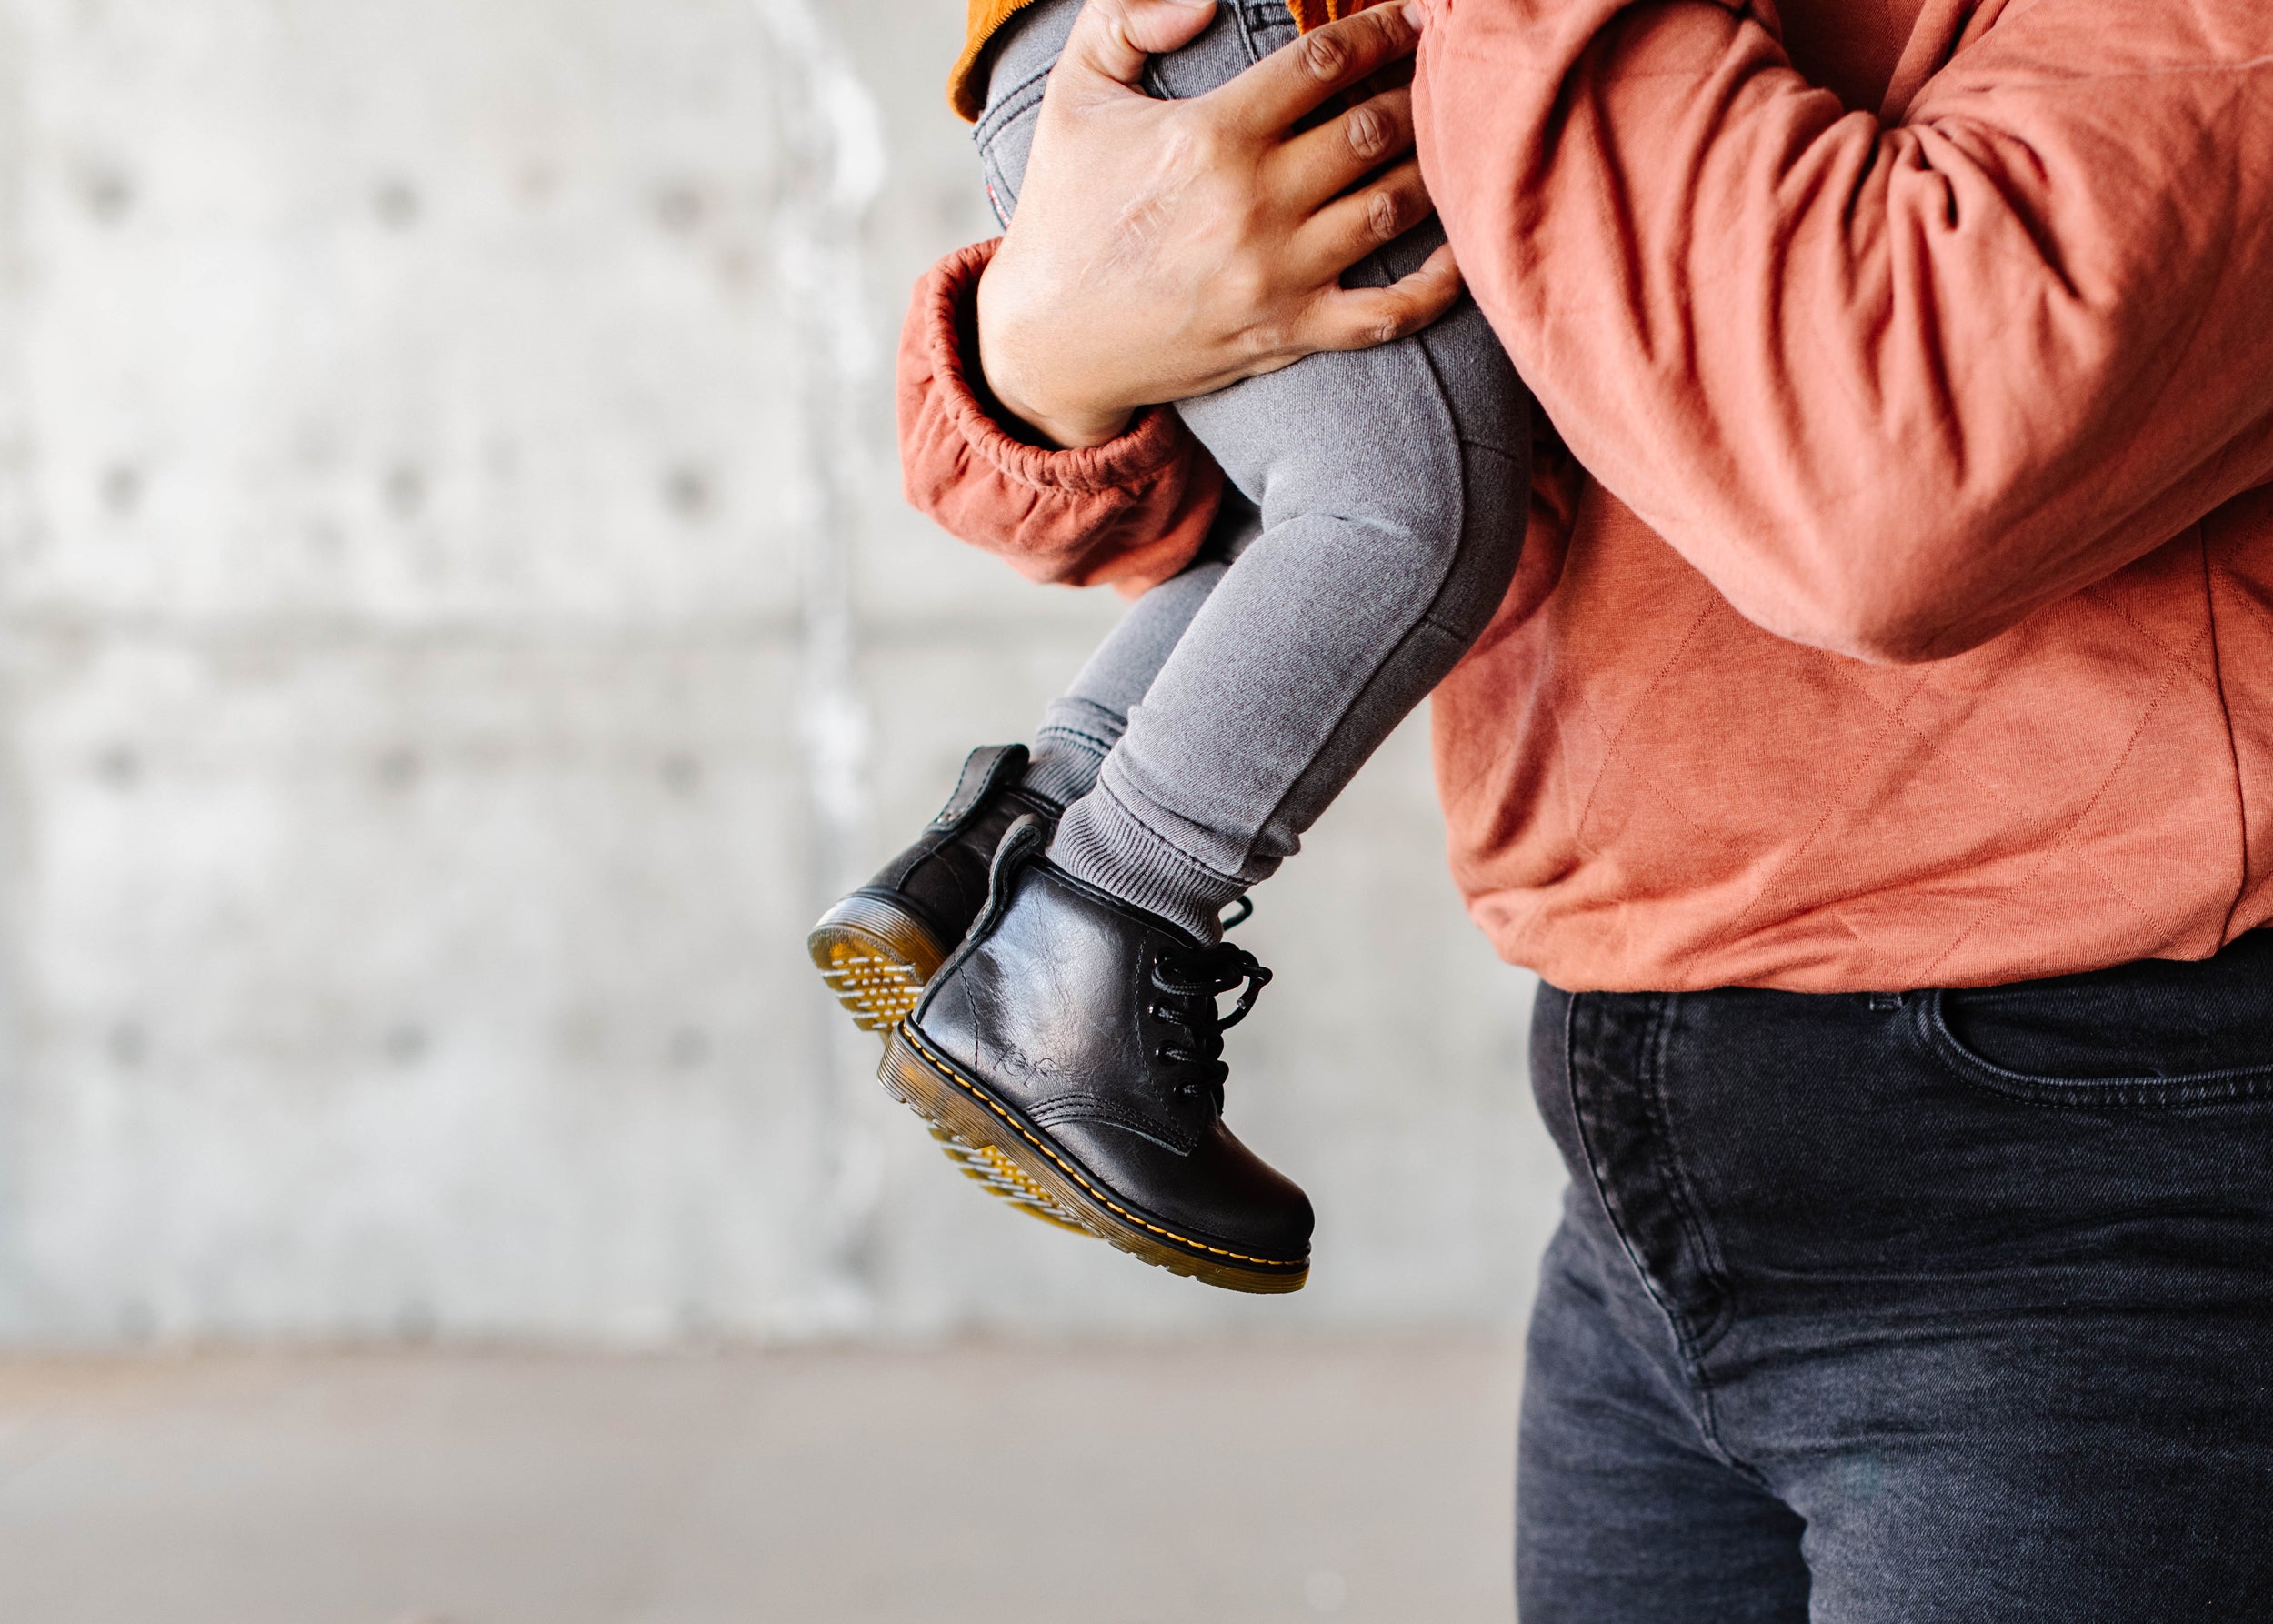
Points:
[[880, 945], [877, 946], [1070, 1051], [1082, 725]]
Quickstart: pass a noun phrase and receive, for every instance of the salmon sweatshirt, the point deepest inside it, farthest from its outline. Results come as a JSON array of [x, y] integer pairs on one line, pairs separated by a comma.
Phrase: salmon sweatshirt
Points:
[[1896, 603]]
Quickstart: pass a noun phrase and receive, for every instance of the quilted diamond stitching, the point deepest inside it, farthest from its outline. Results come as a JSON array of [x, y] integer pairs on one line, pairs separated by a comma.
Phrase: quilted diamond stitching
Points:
[[2209, 679], [2043, 859], [2179, 662], [1616, 743], [1891, 721]]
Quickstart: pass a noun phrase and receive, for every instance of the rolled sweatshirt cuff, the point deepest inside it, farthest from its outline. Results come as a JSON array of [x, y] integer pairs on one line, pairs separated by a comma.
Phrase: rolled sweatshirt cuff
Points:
[[1130, 512]]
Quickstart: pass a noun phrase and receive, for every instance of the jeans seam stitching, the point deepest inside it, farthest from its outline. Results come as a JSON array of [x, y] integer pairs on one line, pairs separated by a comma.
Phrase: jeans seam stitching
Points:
[[1014, 104], [1674, 1319], [1694, 1344], [1685, 1204]]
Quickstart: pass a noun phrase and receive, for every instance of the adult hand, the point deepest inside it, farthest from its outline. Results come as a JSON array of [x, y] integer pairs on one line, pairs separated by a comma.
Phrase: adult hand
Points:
[[1162, 249]]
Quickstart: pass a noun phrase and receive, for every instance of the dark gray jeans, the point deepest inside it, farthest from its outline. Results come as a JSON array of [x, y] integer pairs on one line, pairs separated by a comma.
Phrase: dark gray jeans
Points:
[[1385, 494], [1945, 1307]]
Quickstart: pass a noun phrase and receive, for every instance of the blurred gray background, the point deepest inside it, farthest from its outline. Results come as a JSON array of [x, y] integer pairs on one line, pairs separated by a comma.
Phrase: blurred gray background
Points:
[[458, 624]]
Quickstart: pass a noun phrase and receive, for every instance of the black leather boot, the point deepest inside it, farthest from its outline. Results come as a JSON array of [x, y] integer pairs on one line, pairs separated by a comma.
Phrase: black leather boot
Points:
[[1071, 1048], [876, 948]]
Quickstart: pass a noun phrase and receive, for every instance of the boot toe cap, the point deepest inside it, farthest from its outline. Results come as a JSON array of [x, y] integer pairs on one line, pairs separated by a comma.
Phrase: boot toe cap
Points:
[[1220, 1189]]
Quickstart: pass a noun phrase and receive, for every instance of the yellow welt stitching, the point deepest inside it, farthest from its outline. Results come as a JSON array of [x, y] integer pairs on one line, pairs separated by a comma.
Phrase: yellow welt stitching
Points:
[[946, 1069]]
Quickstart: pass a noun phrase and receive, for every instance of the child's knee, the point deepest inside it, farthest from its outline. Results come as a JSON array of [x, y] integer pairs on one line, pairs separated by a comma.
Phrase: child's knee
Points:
[[1448, 551], [1496, 499]]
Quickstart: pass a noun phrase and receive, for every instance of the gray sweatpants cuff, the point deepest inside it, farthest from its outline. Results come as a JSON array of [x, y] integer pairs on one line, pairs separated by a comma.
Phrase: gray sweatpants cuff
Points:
[[1064, 763], [1101, 841]]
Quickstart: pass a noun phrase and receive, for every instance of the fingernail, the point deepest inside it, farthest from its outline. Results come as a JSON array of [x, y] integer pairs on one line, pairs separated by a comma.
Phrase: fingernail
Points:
[[1413, 14]]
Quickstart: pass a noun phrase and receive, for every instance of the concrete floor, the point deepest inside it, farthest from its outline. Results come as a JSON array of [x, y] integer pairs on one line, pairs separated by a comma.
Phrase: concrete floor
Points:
[[1234, 1484]]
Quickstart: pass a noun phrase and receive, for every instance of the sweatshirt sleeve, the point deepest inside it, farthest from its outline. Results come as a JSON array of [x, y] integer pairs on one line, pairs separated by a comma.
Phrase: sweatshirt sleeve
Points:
[[1131, 512], [1890, 383]]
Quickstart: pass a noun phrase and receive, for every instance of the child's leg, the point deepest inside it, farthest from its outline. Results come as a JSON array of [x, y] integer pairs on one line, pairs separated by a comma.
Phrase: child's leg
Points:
[[1392, 484], [1081, 726], [1070, 1051]]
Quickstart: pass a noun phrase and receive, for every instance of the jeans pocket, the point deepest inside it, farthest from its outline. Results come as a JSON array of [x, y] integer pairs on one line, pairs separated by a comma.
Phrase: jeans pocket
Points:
[[2144, 1037], [1005, 138]]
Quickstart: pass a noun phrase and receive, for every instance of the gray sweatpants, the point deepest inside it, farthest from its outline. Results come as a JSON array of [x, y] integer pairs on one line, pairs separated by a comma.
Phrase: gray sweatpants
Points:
[[1384, 500]]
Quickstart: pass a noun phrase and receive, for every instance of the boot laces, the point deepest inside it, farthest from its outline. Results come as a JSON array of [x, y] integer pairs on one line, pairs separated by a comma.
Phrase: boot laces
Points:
[[1186, 982]]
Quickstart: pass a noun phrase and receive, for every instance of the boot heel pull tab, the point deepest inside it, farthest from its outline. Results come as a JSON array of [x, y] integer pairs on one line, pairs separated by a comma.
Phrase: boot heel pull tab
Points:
[[1021, 842], [986, 772]]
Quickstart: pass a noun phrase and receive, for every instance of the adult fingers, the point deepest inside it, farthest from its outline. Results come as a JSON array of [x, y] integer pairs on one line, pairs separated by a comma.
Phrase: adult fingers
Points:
[[1296, 79], [1361, 318], [1111, 38], [1348, 228], [1318, 164]]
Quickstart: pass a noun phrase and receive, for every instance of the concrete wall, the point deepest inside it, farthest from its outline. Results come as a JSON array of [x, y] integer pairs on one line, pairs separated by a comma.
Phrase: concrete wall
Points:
[[457, 625]]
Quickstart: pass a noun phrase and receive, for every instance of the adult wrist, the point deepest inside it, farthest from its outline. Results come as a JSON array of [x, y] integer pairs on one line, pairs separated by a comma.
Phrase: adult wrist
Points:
[[1050, 430], [993, 347], [949, 426]]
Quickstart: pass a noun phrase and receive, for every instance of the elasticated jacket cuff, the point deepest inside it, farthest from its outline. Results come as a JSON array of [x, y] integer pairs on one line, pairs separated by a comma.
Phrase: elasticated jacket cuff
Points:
[[1131, 512]]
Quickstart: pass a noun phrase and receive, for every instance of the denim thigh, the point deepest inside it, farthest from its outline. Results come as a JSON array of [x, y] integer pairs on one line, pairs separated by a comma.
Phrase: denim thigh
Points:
[[1976, 1286]]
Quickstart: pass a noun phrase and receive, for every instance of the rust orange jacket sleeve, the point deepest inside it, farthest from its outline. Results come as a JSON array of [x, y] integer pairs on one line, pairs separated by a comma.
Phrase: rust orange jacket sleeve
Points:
[[1131, 512], [1890, 381]]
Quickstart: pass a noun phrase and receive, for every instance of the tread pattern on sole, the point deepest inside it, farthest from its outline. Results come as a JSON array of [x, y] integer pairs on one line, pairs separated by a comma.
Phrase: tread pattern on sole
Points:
[[999, 1175], [877, 962], [878, 991], [1287, 1274], [874, 958]]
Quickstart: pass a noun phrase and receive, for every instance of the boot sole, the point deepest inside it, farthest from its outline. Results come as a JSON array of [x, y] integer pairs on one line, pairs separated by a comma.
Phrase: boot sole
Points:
[[878, 960], [875, 958], [1021, 1165]]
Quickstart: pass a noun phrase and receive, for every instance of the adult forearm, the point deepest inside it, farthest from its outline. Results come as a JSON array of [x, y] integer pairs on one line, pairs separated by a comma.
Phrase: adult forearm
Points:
[[1889, 386]]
